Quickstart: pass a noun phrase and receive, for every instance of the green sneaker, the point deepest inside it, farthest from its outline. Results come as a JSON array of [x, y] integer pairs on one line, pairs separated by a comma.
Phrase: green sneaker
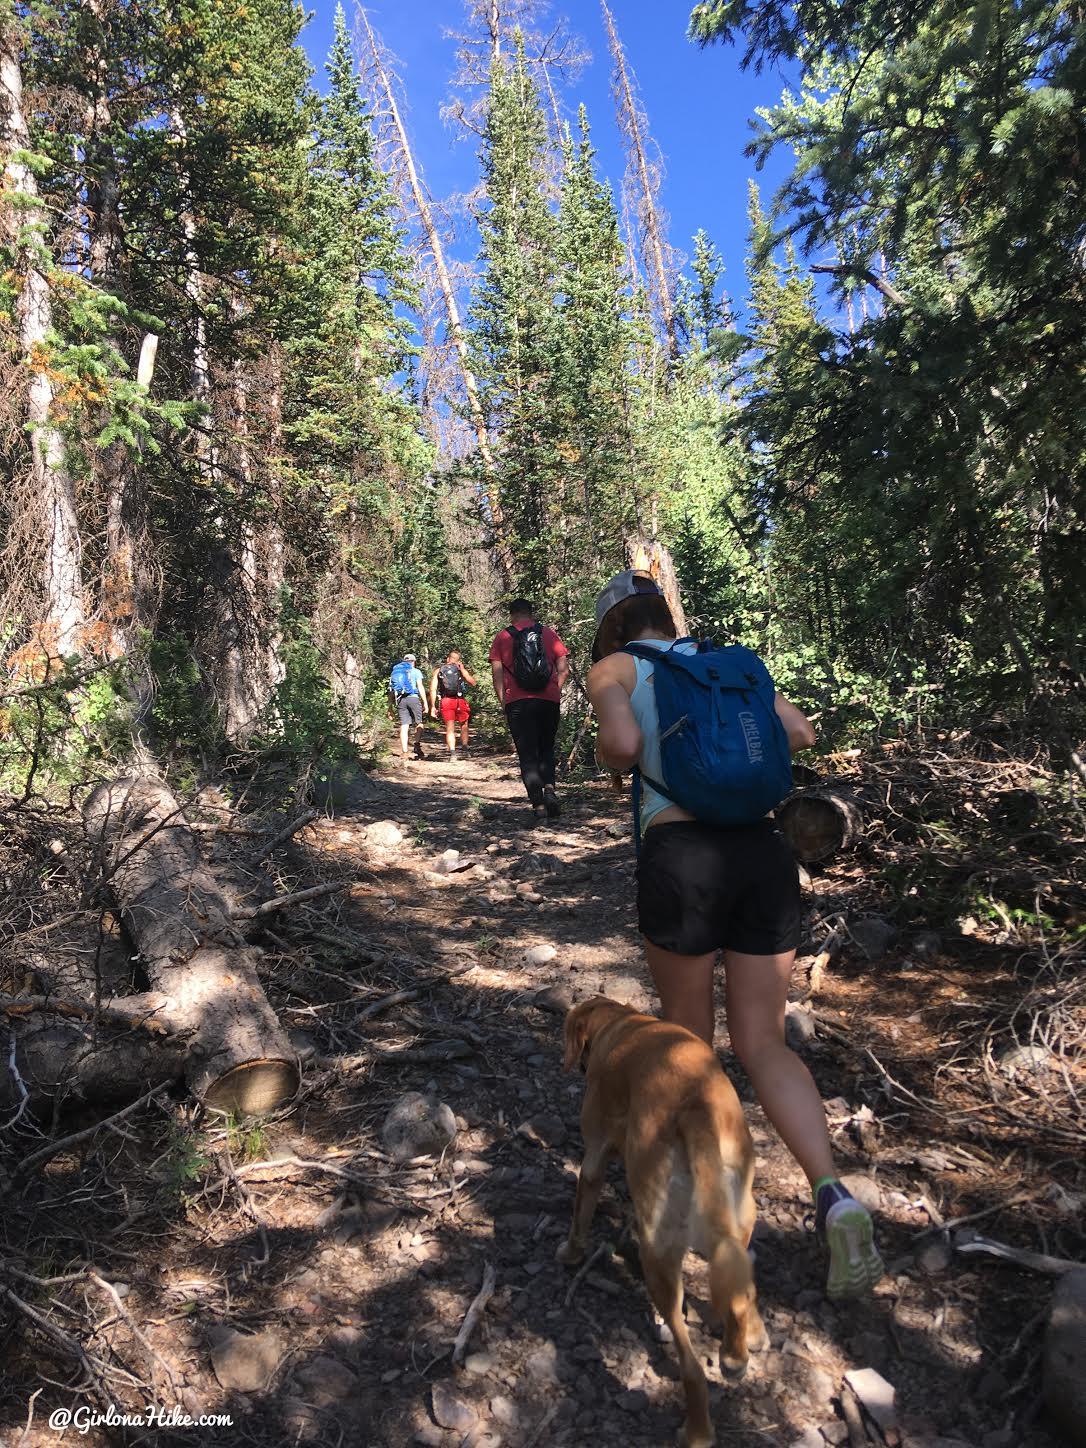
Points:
[[845, 1226]]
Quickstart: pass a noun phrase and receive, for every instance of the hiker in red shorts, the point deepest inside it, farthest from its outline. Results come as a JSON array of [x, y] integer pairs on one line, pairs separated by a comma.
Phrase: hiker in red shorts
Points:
[[451, 680]]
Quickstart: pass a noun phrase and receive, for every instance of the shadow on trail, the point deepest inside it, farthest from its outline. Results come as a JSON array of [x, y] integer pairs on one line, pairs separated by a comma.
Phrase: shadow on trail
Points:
[[365, 1283]]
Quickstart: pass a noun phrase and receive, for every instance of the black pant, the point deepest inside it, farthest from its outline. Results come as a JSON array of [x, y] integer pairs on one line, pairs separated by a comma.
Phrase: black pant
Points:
[[533, 724]]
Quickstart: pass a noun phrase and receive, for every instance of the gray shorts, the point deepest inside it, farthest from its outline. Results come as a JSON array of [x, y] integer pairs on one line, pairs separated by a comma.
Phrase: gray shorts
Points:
[[409, 708]]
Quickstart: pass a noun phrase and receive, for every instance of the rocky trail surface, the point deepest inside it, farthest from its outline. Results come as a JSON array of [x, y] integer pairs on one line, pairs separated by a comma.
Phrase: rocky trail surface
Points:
[[310, 1277]]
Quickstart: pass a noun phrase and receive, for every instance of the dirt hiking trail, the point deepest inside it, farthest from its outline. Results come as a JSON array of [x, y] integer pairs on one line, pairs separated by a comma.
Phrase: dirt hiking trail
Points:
[[311, 1285]]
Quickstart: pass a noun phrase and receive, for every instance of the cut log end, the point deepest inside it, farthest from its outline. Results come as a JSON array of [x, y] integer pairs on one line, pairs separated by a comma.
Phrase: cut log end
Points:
[[253, 1088], [818, 823]]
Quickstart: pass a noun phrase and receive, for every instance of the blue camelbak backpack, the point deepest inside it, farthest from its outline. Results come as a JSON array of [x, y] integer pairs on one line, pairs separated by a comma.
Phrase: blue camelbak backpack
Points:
[[724, 753], [401, 678]]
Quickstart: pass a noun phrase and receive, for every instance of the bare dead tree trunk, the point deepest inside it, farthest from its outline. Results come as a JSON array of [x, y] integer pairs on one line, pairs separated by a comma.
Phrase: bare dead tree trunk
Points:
[[421, 204], [54, 498], [633, 126], [820, 822], [648, 555], [82, 1063]]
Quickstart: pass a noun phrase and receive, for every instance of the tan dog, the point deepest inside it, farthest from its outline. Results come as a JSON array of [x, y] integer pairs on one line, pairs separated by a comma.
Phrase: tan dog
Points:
[[657, 1097]]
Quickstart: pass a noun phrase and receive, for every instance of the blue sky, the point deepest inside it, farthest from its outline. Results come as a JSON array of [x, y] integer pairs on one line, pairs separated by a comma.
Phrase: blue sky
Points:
[[699, 104]]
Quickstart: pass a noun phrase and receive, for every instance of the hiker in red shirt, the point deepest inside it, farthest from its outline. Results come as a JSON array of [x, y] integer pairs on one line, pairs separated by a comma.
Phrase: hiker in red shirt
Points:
[[529, 664]]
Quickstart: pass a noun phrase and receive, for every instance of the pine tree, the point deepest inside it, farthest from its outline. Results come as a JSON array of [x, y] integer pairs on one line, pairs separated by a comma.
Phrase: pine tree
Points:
[[357, 459], [940, 442], [590, 382], [514, 322]]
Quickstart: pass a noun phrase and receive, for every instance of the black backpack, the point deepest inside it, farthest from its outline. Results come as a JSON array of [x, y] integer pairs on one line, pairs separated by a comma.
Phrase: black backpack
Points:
[[450, 681], [531, 667]]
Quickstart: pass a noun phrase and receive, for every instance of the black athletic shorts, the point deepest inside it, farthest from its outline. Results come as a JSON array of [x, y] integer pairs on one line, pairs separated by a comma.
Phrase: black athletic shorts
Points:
[[703, 888]]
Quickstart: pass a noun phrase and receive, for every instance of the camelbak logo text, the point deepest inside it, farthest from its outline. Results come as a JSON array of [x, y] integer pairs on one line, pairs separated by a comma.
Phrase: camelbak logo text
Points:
[[753, 737]]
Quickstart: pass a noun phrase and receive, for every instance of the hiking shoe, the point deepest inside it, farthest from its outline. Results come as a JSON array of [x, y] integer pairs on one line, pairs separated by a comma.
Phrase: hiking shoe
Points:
[[845, 1226], [550, 803], [539, 814]]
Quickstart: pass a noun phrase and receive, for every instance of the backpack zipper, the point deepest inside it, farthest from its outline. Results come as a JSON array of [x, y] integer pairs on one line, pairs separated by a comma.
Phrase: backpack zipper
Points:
[[677, 725]]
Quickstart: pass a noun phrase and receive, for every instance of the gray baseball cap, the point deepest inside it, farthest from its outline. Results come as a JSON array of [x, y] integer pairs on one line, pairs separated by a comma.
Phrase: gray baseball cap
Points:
[[624, 585], [409, 658], [628, 584]]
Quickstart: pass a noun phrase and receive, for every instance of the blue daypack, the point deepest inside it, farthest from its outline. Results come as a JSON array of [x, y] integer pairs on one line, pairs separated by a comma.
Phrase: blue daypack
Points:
[[401, 678], [724, 753]]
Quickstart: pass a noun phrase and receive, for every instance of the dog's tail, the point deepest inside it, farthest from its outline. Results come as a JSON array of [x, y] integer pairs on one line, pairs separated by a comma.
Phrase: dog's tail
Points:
[[717, 1189]]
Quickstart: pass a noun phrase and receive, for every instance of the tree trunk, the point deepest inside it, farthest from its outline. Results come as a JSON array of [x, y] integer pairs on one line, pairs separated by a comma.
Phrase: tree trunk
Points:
[[503, 556], [818, 823], [240, 666], [53, 502], [238, 1057], [275, 549], [128, 576], [648, 556], [200, 373], [81, 1066], [630, 123]]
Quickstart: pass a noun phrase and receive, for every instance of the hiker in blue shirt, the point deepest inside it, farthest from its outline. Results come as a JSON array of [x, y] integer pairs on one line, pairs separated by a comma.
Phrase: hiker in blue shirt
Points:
[[409, 695], [715, 878]]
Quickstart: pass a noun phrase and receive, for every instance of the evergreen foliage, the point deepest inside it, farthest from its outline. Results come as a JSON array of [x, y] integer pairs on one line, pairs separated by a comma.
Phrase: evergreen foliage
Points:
[[923, 471], [551, 342], [872, 471]]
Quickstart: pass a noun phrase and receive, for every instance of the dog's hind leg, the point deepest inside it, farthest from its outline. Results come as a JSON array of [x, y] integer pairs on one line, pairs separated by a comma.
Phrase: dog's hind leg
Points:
[[589, 1185], [664, 1279], [735, 1305]]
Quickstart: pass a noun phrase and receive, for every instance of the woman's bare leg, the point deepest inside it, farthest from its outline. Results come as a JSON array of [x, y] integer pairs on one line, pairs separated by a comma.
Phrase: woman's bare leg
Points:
[[684, 984], [757, 988]]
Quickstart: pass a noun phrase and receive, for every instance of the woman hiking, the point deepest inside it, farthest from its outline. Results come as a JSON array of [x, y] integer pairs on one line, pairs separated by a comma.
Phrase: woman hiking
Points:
[[704, 889]]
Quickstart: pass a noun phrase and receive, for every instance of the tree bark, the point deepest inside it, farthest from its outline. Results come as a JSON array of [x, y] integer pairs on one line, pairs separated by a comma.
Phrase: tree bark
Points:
[[818, 823], [646, 555], [128, 577], [54, 499], [630, 124], [239, 1058], [71, 1060], [240, 664]]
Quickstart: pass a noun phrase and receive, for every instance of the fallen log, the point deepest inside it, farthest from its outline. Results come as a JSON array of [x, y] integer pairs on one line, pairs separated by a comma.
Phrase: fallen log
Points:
[[46, 1059], [238, 1057], [818, 823]]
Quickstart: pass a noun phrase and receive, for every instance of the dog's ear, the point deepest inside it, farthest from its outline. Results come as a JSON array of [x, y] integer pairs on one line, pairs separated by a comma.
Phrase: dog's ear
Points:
[[576, 1033]]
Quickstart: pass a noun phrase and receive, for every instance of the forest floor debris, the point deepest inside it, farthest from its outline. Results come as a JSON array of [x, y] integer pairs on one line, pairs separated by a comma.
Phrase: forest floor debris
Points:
[[146, 1260]]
